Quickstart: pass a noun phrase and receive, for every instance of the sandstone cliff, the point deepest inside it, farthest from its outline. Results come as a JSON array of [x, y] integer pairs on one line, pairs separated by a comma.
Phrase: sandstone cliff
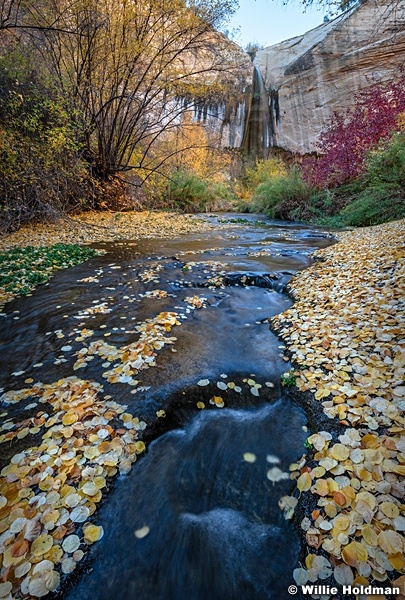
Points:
[[310, 76]]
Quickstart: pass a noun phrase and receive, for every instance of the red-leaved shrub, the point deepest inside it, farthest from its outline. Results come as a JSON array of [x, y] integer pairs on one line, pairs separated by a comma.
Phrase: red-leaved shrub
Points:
[[344, 143]]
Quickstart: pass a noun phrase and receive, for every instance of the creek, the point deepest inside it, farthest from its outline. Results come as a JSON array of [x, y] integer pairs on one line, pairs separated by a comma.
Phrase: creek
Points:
[[215, 529]]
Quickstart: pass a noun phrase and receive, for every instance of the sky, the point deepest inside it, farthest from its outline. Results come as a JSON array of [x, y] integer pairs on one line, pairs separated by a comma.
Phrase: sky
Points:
[[269, 22]]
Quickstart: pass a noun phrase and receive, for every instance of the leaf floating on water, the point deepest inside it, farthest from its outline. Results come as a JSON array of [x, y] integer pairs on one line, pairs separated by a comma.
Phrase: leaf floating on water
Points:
[[275, 474], [217, 401], [249, 457], [200, 405], [160, 413], [288, 504], [203, 382], [142, 532], [221, 385]]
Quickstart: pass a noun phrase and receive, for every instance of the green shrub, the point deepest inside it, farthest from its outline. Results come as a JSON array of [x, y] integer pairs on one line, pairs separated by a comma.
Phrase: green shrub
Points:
[[42, 173], [283, 197], [377, 196], [382, 197], [376, 204], [387, 164], [190, 192], [263, 171]]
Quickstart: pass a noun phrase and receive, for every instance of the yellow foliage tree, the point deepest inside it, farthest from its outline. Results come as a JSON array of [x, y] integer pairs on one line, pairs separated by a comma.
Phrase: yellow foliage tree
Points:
[[125, 67]]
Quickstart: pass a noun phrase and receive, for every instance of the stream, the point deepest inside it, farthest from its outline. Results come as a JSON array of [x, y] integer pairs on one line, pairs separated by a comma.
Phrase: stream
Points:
[[209, 485]]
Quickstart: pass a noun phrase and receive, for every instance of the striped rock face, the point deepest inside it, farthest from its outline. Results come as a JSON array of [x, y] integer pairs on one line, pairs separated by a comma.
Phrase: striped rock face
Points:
[[309, 77]]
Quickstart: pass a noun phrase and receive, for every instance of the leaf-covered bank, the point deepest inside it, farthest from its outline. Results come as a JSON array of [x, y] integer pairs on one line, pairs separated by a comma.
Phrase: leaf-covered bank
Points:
[[344, 336], [109, 226]]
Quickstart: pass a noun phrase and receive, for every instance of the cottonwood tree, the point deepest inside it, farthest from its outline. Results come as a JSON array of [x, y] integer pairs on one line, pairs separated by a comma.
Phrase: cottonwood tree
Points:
[[132, 67]]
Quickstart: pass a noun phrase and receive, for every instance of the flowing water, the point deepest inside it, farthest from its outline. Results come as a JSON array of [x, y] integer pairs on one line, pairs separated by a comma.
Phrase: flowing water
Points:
[[215, 528]]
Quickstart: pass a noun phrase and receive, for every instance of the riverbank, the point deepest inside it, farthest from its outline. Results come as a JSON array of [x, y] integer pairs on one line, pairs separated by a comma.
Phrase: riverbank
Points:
[[344, 337], [106, 226], [22, 271]]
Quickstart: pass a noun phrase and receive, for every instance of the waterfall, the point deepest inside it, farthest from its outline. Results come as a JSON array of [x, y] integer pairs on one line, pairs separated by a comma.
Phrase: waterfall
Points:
[[256, 137], [246, 121]]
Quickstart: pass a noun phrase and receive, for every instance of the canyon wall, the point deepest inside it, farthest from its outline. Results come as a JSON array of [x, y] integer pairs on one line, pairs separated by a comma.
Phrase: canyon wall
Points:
[[310, 76]]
